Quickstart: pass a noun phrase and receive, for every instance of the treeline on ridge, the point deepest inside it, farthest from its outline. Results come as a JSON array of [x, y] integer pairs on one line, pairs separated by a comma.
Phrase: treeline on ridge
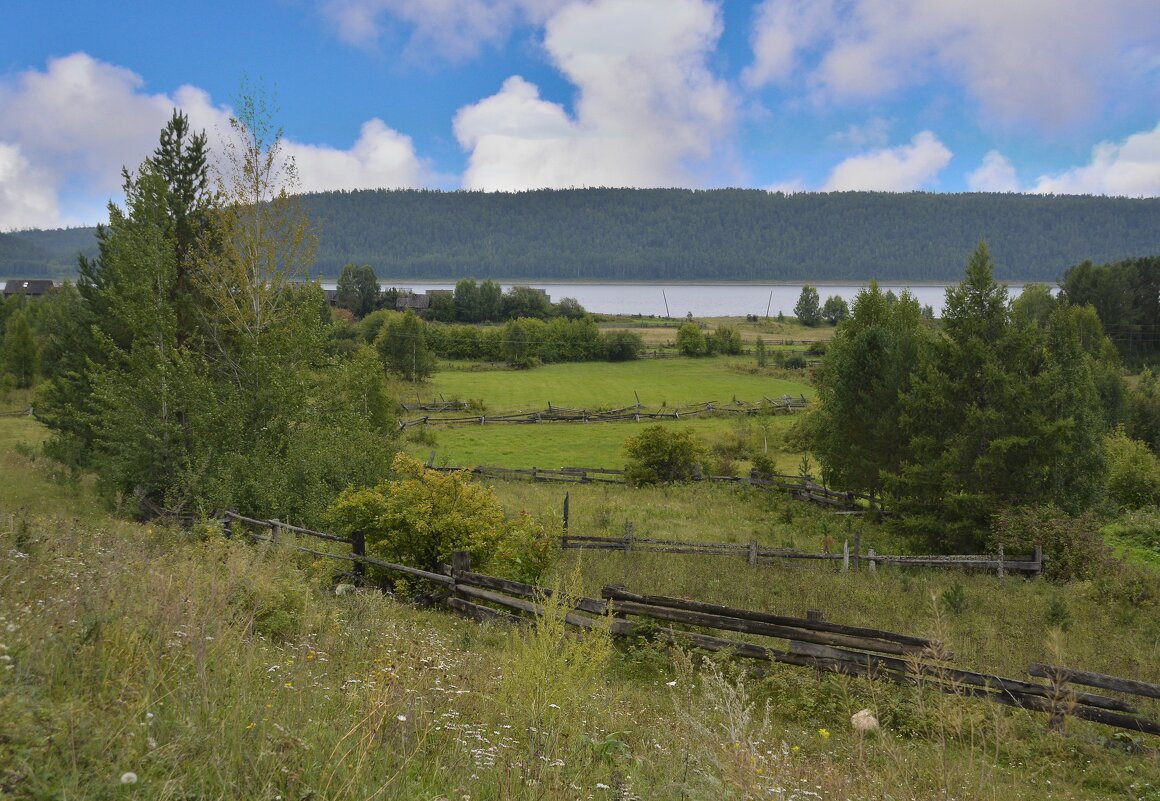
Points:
[[721, 234]]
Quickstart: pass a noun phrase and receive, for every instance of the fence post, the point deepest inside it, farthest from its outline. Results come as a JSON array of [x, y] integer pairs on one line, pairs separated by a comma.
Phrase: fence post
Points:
[[753, 552], [627, 536], [845, 556], [275, 530], [358, 547], [1001, 561], [815, 616], [857, 551], [870, 561], [565, 511], [1038, 560], [460, 563], [228, 527]]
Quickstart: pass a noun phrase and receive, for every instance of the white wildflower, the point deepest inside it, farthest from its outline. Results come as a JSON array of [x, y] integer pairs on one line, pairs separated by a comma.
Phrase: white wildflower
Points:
[[128, 777]]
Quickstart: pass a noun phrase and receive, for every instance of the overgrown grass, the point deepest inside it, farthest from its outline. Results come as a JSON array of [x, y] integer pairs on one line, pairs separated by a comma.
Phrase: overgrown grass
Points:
[[211, 668]]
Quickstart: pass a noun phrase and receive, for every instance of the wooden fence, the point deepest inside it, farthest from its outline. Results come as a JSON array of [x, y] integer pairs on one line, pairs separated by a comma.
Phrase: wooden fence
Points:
[[802, 488], [755, 554], [635, 412], [23, 413], [811, 642]]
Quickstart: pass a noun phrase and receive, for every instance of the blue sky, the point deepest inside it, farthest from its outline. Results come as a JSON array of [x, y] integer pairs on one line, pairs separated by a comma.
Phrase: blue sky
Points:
[[1057, 96]]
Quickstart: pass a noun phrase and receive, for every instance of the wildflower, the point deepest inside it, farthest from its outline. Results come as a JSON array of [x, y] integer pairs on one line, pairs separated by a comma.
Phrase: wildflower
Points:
[[401, 718], [796, 748], [128, 777], [250, 725], [672, 683], [824, 734]]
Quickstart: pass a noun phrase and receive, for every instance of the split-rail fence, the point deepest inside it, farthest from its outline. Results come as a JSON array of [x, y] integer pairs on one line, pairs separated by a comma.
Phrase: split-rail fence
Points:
[[809, 642]]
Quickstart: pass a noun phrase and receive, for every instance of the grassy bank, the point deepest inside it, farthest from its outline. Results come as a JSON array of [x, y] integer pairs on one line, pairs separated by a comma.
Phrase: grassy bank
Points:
[[146, 662]]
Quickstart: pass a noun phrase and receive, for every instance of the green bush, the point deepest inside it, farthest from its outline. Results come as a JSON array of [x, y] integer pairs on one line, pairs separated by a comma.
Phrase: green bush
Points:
[[1133, 472], [1072, 546], [690, 340], [422, 516], [661, 454]]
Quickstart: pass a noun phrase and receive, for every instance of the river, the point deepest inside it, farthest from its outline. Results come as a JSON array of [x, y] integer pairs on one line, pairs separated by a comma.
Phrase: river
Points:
[[702, 300]]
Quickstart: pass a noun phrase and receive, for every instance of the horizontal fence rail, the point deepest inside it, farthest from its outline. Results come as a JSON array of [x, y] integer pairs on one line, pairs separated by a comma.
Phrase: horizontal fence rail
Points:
[[802, 488], [757, 554], [810, 642], [635, 412]]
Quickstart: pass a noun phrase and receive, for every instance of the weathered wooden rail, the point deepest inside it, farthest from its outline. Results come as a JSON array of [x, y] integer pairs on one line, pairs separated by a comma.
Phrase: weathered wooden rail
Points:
[[756, 554], [800, 487], [810, 642], [635, 412]]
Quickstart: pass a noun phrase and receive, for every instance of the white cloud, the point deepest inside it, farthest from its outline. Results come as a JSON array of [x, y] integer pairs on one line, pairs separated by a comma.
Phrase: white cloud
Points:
[[995, 174], [899, 169], [782, 29], [1130, 167], [381, 158], [26, 197], [1049, 61], [647, 106], [875, 132], [67, 131], [452, 28]]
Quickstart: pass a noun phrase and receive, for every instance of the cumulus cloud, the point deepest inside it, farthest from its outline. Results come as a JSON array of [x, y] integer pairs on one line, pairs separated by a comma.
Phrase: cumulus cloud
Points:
[[455, 29], [1130, 167], [647, 105], [67, 131], [1050, 61], [26, 197], [898, 169], [382, 157], [995, 174]]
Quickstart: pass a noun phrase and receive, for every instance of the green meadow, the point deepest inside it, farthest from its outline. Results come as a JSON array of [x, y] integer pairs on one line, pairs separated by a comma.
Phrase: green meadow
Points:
[[602, 385], [661, 384]]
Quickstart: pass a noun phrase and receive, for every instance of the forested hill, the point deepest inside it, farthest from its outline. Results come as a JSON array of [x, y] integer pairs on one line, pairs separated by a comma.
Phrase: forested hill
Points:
[[728, 234]]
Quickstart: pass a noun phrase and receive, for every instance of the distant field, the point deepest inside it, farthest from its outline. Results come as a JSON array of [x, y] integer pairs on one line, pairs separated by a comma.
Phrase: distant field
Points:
[[555, 445], [591, 385]]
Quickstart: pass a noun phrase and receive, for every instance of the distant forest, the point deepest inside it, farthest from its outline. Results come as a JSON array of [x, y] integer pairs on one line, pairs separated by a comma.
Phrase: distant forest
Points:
[[679, 234]]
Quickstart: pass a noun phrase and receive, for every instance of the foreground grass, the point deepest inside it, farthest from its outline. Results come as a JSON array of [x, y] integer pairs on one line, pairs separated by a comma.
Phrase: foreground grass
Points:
[[210, 668]]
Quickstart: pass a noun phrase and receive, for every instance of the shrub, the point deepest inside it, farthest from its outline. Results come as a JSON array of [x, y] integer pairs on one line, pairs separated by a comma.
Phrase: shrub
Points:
[[1072, 546], [622, 346], [1133, 472], [690, 340], [422, 516], [661, 454]]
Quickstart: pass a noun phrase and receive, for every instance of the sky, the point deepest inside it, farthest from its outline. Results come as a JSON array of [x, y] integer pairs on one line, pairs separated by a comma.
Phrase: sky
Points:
[[1048, 96]]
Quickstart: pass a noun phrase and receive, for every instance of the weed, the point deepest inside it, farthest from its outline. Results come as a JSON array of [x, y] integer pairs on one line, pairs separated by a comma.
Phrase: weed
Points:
[[954, 598]]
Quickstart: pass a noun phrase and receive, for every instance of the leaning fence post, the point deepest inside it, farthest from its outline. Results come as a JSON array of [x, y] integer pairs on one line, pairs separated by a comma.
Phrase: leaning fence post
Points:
[[845, 556], [753, 552], [358, 547], [565, 511]]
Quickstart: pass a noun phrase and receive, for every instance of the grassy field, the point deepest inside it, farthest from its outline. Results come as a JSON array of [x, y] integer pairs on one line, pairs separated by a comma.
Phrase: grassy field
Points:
[[595, 385], [555, 445], [658, 333], [660, 384], [145, 662]]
